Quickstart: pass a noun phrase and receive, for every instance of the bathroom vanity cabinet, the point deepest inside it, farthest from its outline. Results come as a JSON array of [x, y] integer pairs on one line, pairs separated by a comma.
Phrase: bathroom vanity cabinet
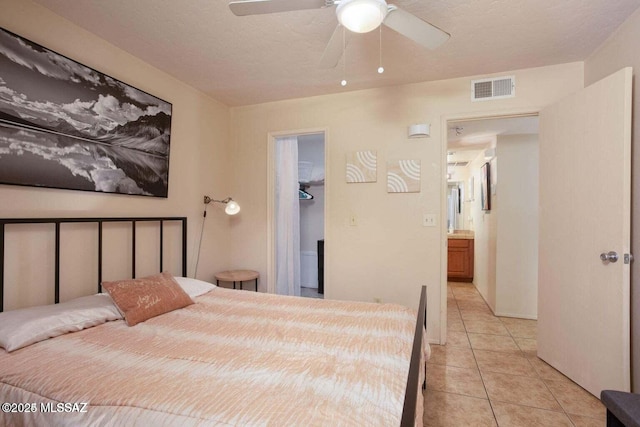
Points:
[[460, 260]]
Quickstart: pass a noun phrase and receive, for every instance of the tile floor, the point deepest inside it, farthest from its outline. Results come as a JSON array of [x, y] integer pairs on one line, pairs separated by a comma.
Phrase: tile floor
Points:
[[488, 374], [310, 293]]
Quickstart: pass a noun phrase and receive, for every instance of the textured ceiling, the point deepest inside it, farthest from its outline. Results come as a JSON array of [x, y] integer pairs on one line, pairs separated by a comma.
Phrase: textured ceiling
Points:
[[255, 59]]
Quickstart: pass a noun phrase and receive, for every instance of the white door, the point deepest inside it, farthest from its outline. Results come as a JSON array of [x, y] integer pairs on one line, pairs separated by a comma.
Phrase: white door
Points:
[[585, 208]]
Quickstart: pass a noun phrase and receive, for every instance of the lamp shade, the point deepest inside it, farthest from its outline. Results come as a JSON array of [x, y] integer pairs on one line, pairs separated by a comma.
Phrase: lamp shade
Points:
[[361, 16], [232, 208]]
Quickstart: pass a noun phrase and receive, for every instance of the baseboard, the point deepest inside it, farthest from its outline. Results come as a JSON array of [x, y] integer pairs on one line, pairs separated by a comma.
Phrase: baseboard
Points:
[[518, 316]]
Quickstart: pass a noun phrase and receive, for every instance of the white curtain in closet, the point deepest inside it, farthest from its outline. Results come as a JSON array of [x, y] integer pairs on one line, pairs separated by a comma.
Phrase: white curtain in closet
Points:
[[287, 217]]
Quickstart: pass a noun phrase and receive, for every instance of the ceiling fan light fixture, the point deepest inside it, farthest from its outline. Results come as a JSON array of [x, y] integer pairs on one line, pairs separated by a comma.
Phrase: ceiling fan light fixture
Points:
[[361, 16]]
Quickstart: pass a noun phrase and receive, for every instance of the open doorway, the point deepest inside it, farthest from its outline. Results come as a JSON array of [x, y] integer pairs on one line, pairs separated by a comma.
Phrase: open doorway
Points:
[[296, 213], [492, 223], [311, 167]]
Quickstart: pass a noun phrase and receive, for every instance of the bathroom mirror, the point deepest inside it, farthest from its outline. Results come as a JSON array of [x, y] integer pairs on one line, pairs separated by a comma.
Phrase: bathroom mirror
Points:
[[455, 201]]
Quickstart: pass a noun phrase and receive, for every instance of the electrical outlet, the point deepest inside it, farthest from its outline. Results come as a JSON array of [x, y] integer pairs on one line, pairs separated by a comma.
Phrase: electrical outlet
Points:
[[429, 220]]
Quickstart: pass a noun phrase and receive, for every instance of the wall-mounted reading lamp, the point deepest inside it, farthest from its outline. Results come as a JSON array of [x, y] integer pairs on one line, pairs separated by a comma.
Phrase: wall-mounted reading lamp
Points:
[[232, 208]]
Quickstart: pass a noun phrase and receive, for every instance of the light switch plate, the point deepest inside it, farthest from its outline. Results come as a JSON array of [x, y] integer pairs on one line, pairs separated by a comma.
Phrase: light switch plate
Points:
[[429, 220]]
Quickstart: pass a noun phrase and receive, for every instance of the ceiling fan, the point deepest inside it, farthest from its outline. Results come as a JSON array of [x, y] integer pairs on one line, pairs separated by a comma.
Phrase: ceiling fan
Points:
[[359, 16]]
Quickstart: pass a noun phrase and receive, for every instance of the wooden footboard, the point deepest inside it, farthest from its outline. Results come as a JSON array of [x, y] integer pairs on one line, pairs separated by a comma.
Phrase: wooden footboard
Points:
[[411, 393]]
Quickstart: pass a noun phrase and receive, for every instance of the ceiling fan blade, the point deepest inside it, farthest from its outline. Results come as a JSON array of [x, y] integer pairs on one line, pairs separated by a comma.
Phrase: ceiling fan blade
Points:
[[415, 28], [260, 7], [335, 47]]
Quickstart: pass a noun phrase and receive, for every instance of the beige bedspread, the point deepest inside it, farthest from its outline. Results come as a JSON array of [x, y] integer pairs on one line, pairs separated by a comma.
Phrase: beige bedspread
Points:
[[235, 358]]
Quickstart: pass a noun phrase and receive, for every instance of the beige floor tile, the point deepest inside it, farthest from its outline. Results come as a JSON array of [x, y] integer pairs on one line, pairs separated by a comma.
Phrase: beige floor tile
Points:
[[504, 363], [457, 339], [496, 357], [455, 380], [526, 391], [501, 343], [510, 415], [477, 315], [474, 305], [521, 328], [460, 285], [461, 357], [464, 294], [529, 346], [453, 410], [546, 371], [468, 298], [454, 312], [453, 317], [485, 327], [454, 323], [576, 400], [581, 421]]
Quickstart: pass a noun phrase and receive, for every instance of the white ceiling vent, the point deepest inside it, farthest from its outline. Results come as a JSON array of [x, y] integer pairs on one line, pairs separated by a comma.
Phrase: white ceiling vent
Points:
[[495, 88], [454, 164]]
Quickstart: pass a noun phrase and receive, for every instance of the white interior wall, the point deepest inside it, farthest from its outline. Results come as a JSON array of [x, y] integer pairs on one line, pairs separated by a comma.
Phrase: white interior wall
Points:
[[469, 200], [517, 227], [388, 253], [485, 234]]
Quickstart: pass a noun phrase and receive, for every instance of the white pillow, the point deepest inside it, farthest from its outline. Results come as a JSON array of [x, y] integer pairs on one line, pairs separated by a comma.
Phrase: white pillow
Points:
[[20, 328], [194, 287]]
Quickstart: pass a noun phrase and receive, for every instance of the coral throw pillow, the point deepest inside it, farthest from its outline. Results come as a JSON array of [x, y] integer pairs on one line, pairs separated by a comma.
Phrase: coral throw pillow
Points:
[[147, 297]]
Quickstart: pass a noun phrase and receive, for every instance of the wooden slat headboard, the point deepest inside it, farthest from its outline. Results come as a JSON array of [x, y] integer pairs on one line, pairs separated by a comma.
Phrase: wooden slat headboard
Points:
[[100, 222]]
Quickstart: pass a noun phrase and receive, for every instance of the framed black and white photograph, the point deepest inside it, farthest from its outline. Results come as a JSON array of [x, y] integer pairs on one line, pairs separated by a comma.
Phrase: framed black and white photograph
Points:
[[66, 125], [485, 187]]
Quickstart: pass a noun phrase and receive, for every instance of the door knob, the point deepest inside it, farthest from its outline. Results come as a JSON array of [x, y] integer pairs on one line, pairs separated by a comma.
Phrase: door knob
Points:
[[610, 256]]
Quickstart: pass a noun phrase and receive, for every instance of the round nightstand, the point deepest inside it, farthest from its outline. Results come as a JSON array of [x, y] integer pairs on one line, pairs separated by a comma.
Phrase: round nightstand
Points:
[[237, 276]]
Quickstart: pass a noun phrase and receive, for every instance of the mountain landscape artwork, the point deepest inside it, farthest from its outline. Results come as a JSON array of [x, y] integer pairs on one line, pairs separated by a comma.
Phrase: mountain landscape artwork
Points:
[[65, 125]]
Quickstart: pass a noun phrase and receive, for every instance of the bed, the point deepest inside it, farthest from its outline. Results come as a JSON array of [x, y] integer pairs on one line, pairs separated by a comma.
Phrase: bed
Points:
[[229, 358]]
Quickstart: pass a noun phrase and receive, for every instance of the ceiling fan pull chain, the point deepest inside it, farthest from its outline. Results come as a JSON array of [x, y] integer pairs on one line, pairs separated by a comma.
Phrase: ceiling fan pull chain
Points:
[[344, 58], [380, 68]]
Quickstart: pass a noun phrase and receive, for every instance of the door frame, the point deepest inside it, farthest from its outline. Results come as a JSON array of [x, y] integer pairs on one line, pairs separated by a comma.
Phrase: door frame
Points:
[[444, 126], [271, 206]]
